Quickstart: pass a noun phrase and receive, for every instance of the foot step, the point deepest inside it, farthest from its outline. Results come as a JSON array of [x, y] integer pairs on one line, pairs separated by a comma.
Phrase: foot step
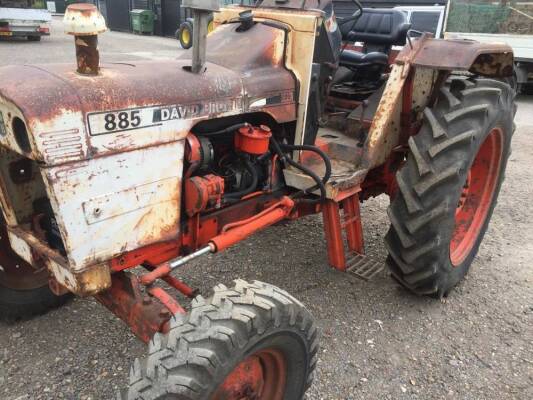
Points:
[[363, 267]]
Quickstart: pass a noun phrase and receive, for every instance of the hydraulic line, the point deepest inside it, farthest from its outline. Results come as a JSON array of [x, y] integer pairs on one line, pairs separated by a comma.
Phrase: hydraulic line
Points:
[[324, 156], [320, 183], [229, 129]]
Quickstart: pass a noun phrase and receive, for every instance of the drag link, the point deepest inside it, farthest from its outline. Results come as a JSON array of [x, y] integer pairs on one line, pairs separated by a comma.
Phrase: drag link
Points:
[[167, 300], [180, 286], [166, 268]]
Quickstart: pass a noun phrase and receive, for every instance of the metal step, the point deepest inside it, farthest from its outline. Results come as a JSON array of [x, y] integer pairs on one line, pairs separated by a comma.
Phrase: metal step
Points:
[[363, 267]]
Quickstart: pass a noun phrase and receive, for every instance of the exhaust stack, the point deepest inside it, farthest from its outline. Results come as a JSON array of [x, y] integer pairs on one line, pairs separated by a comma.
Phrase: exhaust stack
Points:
[[201, 10], [85, 22]]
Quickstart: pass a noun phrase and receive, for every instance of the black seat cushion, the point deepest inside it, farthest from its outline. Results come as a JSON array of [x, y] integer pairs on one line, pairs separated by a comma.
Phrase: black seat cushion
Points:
[[380, 26], [353, 59]]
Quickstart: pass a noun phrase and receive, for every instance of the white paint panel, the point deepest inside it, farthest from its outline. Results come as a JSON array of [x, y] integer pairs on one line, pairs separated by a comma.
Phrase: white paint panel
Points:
[[20, 247], [118, 203], [138, 193], [61, 139], [62, 275]]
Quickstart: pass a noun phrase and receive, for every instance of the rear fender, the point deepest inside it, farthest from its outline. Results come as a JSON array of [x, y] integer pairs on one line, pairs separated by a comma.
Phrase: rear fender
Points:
[[416, 77], [494, 60]]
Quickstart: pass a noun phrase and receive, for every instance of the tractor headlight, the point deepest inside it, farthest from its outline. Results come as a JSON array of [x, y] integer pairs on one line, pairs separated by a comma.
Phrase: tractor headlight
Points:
[[2, 125]]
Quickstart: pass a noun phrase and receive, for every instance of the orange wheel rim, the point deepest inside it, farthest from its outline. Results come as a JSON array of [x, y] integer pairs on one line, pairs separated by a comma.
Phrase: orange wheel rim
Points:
[[476, 197], [261, 376]]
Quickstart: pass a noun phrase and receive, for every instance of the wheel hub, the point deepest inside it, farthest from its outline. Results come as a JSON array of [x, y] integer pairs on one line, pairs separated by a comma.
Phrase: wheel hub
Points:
[[261, 376], [476, 197]]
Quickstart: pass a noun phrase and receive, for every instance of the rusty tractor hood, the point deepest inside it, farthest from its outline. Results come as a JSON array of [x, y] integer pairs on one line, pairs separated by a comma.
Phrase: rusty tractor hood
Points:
[[131, 105]]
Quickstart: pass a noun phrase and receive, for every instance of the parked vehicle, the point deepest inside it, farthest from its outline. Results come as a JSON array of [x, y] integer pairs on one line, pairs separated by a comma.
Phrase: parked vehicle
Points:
[[185, 31], [17, 18], [269, 118], [504, 21], [425, 18]]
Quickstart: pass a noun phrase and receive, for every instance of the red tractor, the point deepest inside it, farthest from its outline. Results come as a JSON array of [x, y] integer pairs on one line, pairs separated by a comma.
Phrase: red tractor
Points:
[[284, 111]]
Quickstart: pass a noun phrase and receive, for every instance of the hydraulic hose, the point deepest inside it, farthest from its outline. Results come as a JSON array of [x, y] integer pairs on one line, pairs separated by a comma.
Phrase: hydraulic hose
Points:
[[320, 183], [229, 129], [314, 149], [250, 188], [315, 177]]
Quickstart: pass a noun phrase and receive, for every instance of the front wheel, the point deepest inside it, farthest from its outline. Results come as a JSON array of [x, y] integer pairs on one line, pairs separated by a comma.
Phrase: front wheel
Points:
[[253, 341], [449, 185]]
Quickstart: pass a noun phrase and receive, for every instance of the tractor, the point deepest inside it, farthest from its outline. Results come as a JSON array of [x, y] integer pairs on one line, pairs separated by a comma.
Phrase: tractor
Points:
[[115, 175]]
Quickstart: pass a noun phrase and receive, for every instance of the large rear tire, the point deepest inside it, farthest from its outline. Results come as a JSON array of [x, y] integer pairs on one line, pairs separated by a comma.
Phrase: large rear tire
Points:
[[449, 185], [254, 341]]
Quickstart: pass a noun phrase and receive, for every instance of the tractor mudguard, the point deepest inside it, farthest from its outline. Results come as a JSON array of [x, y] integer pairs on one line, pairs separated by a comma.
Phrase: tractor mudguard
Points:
[[418, 72], [494, 60]]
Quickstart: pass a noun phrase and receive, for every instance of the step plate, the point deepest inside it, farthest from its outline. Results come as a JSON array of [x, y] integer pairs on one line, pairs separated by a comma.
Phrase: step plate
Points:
[[363, 267]]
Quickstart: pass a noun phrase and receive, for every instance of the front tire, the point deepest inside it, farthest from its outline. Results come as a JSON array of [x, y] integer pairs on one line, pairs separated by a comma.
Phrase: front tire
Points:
[[449, 185], [251, 341]]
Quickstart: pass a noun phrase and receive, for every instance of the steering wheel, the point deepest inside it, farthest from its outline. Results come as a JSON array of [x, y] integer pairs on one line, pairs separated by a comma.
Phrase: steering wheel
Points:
[[355, 16]]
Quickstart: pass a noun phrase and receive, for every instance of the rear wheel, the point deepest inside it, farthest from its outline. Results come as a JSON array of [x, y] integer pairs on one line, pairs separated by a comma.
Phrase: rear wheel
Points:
[[24, 290], [253, 341], [449, 185]]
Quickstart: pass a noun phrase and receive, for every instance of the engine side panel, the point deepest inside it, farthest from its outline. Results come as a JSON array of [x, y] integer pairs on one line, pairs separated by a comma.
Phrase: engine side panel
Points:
[[118, 203]]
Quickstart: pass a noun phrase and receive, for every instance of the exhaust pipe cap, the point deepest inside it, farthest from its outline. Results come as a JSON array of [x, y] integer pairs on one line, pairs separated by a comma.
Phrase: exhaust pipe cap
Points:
[[83, 20]]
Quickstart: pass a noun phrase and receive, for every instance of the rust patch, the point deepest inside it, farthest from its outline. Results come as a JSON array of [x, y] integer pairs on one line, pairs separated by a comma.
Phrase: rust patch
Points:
[[142, 313], [494, 64], [87, 282], [87, 54], [489, 59]]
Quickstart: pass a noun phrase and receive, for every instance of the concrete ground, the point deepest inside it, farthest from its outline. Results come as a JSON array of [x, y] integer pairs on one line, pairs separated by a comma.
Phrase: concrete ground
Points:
[[378, 342]]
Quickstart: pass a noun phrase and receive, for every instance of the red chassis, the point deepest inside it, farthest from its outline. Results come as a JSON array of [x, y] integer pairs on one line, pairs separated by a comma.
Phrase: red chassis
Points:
[[150, 312]]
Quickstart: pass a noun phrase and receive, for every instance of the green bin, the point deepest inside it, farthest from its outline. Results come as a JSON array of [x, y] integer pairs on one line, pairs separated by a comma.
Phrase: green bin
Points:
[[142, 21]]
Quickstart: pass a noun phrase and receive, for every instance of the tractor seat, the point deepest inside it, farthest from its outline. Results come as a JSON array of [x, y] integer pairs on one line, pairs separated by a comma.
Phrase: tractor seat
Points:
[[378, 26], [354, 59]]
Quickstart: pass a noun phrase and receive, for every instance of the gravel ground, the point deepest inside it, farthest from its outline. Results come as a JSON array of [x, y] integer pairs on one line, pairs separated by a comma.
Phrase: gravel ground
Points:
[[378, 342]]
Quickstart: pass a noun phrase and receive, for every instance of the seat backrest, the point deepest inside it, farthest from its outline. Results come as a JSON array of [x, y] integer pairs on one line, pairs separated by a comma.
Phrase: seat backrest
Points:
[[380, 26]]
